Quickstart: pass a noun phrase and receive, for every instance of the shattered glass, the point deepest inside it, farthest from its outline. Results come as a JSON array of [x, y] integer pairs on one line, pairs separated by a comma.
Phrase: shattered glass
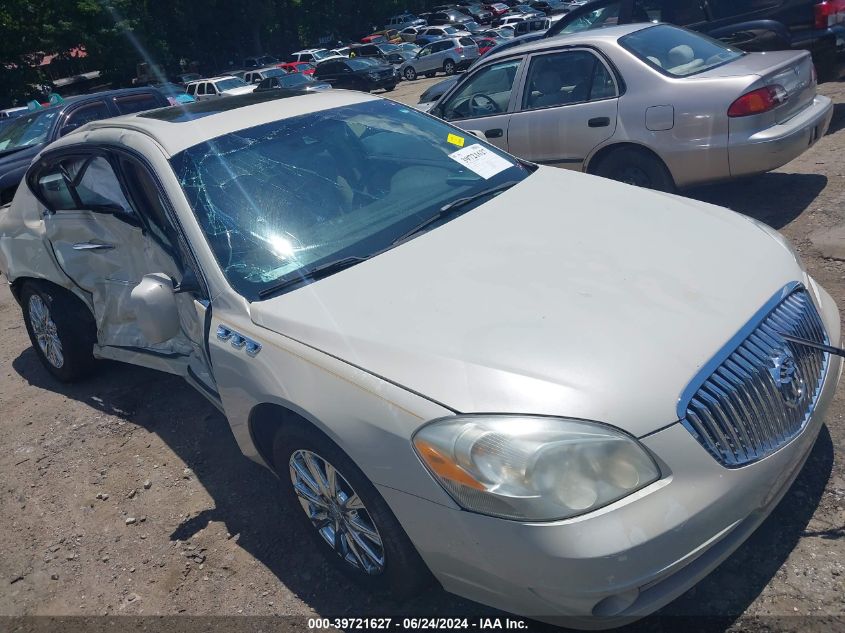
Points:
[[280, 199]]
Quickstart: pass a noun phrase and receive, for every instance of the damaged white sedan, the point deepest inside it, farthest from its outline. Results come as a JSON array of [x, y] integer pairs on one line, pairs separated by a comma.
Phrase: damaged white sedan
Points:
[[572, 407]]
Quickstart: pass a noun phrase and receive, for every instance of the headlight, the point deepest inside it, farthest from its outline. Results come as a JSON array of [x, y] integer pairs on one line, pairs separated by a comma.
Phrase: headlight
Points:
[[533, 468]]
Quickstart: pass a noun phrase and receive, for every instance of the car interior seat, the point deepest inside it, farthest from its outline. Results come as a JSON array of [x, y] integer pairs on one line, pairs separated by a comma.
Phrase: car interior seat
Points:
[[681, 60]]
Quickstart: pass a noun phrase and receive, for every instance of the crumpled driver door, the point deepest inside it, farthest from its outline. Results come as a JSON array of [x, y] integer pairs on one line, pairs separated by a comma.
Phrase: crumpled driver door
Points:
[[101, 245]]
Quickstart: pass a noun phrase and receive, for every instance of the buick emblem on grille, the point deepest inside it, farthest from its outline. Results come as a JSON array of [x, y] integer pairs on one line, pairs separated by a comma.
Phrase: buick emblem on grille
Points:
[[784, 373]]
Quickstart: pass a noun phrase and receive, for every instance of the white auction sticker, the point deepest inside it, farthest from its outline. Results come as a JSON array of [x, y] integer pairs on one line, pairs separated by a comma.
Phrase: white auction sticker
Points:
[[481, 160]]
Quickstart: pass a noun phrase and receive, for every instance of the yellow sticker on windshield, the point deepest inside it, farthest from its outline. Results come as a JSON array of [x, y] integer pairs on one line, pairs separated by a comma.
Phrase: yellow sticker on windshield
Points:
[[454, 139]]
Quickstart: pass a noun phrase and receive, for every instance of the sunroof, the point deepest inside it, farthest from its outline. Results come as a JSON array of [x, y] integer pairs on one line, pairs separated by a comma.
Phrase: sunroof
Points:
[[199, 109]]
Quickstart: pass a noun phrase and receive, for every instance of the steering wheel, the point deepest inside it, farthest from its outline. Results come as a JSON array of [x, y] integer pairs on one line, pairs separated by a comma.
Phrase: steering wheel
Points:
[[481, 104]]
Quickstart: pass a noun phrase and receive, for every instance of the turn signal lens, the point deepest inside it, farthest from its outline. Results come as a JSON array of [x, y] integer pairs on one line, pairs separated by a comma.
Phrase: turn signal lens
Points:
[[758, 101]]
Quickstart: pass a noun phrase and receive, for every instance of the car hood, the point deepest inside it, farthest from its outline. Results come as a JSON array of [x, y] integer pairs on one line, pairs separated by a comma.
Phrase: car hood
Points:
[[599, 304]]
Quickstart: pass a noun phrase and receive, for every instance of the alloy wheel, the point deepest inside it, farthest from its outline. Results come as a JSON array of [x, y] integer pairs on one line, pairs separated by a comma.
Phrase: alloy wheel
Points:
[[336, 511], [45, 331]]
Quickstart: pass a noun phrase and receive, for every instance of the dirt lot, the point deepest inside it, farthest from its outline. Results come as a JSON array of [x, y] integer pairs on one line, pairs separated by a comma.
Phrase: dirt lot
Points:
[[127, 494]]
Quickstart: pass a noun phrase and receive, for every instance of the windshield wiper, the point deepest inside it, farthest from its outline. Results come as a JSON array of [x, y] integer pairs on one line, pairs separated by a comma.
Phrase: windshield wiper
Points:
[[318, 272], [12, 150], [450, 207]]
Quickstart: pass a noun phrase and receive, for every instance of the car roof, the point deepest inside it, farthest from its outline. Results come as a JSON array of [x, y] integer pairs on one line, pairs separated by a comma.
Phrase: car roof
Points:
[[177, 128], [217, 78], [94, 96], [607, 35]]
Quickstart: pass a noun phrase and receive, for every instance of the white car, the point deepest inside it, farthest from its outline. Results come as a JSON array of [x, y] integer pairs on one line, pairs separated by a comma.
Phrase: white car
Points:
[[255, 76], [571, 407], [225, 86], [443, 31], [313, 55]]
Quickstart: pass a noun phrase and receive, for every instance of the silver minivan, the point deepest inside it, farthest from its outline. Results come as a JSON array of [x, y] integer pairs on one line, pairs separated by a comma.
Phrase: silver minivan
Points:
[[449, 55]]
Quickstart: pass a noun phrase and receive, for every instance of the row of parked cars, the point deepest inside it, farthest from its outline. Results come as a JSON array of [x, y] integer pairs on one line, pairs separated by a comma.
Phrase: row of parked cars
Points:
[[555, 394]]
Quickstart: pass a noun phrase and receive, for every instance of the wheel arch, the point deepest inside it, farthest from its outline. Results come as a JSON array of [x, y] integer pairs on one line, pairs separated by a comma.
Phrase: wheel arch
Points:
[[594, 160], [17, 284], [268, 418]]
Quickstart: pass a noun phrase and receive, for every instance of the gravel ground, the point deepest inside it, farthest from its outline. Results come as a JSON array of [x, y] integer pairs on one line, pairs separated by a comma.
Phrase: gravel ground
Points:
[[126, 494]]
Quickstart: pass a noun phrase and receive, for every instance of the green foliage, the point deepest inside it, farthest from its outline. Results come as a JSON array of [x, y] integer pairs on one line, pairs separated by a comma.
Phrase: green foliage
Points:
[[119, 34]]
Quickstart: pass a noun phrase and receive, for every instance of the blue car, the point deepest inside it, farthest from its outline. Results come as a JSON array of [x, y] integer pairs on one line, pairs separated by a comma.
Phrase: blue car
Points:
[[28, 134]]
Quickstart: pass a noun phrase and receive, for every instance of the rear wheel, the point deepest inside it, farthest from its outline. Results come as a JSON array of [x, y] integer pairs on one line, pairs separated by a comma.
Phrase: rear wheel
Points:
[[449, 67], [61, 329], [410, 73], [344, 514], [636, 167]]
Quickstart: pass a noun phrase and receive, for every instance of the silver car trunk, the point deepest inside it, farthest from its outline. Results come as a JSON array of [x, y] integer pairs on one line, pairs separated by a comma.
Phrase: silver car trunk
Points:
[[791, 70]]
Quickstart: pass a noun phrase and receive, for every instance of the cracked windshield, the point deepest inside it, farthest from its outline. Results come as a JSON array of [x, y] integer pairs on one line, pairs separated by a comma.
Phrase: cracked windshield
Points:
[[281, 202]]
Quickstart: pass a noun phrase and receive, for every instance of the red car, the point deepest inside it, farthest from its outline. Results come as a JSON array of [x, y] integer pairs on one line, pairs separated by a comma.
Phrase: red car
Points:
[[497, 8], [297, 67], [486, 43], [375, 38]]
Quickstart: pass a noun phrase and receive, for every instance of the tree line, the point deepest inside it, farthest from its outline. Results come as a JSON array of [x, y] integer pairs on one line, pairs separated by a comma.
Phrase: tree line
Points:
[[118, 34]]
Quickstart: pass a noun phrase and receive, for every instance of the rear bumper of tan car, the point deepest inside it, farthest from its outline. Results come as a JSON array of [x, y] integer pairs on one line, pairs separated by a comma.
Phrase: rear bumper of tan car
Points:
[[777, 145]]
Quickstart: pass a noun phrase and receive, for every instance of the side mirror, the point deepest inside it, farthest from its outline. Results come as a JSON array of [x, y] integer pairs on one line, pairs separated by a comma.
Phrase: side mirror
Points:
[[154, 305]]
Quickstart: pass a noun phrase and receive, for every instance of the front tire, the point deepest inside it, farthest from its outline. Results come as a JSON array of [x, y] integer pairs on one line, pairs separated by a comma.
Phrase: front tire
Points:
[[61, 329], [636, 167], [344, 514], [449, 67], [410, 73]]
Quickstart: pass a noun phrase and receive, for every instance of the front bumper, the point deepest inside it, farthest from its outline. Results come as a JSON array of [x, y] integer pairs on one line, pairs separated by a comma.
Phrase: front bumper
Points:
[[626, 560], [775, 146]]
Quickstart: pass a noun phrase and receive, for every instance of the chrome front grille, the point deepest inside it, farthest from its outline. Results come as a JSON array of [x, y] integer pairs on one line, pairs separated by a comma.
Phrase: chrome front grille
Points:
[[760, 391]]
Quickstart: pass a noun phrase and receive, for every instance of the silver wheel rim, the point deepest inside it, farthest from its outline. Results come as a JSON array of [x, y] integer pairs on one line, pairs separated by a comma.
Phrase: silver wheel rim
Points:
[[336, 511], [45, 331]]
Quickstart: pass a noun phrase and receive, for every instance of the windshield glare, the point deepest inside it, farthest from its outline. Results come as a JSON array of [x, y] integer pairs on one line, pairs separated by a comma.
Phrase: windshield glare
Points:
[[228, 84], [294, 80], [678, 52], [278, 200], [361, 63], [28, 129], [320, 54]]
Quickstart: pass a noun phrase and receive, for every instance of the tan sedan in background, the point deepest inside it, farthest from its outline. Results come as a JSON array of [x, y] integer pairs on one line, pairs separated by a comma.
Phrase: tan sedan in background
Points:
[[652, 105]]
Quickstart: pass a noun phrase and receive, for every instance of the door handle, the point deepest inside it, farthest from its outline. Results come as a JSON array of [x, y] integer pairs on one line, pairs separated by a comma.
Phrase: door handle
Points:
[[600, 121], [91, 246], [497, 133]]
